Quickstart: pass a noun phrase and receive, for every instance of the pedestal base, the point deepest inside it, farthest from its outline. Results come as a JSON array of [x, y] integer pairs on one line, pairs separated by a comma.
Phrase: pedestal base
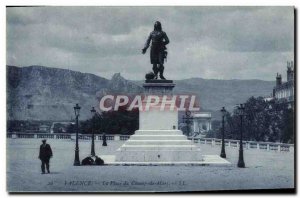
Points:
[[158, 141], [158, 81], [158, 146]]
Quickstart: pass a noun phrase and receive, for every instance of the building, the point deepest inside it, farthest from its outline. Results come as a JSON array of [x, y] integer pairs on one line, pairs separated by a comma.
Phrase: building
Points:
[[44, 128], [285, 90], [60, 127], [201, 122], [197, 124]]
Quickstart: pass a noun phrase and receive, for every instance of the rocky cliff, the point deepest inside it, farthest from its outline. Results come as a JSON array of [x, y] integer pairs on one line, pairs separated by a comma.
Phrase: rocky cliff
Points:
[[44, 93]]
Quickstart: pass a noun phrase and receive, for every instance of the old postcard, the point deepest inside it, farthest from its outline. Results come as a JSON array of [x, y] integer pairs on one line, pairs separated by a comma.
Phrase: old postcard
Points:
[[150, 99]]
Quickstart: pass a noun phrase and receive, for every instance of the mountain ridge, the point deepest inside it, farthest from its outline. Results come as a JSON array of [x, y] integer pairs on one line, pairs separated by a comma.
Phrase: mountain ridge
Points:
[[46, 93]]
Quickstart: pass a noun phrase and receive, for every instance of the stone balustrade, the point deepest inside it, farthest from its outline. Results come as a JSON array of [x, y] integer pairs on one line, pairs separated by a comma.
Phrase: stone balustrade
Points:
[[267, 146]]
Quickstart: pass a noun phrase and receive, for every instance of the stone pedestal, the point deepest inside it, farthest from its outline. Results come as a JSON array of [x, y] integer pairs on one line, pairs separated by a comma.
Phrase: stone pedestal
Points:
[[158, 139]]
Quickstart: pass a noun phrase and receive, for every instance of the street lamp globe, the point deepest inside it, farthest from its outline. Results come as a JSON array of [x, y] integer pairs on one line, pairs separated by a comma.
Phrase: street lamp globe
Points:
[[223, 111], [93, 111], [243, 108], [77, 109]]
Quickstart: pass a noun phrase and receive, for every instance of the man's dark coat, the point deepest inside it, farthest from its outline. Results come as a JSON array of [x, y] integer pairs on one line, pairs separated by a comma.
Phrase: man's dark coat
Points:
[[45, 152]]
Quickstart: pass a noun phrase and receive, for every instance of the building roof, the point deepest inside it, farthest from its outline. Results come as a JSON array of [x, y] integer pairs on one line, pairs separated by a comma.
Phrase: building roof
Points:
[[285, 85], [202, 115]]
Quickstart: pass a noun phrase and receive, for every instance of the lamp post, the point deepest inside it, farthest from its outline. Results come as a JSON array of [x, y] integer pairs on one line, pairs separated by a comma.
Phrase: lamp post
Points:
[[241, 163], [187, 119], [76, 160], [223, 154], [93, 111]]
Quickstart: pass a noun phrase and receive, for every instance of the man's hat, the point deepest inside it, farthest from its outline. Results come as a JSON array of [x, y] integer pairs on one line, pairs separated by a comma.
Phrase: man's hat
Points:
[[44, 140]]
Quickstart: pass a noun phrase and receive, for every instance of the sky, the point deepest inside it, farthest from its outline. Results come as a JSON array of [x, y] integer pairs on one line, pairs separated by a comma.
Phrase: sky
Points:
[[205, 42]]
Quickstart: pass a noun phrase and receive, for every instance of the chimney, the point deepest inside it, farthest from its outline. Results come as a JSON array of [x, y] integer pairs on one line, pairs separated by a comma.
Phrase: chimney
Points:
[[278, 80], [290, 71]]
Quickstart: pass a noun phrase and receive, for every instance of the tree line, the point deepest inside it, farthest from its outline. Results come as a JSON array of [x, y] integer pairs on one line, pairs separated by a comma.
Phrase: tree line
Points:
[[263, 120], [111, 122]]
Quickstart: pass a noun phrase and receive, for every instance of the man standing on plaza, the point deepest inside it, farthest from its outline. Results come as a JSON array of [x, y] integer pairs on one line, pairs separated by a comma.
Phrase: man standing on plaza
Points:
[[45, 155]]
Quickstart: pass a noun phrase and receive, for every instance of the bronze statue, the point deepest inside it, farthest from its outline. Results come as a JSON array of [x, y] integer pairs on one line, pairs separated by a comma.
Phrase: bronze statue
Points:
[[158, 49]]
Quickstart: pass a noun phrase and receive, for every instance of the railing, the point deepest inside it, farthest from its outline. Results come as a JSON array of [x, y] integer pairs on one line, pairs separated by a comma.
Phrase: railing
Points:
[[65, 136], [108, 137], [25, 135], [124, 137], [47, 136], [268, 146]]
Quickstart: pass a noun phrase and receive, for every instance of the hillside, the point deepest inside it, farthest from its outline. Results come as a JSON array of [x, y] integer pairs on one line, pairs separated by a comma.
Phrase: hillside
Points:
[[44, 93]]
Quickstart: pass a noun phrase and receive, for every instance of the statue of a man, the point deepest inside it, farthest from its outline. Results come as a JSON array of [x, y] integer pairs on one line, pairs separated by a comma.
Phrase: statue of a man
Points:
[[158, 49]]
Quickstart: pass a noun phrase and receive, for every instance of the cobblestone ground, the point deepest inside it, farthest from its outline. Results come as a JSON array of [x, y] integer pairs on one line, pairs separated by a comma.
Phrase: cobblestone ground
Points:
[[264, 170]]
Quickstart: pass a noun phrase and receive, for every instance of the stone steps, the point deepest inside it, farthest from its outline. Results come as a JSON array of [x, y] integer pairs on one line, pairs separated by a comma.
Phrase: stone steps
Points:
[[160, 156], [158, 137], [158, 142], [153, 147], [158, 146], [158, 132]]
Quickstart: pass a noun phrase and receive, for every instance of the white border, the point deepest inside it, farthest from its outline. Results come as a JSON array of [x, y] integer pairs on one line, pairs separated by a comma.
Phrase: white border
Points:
[[4, 3]]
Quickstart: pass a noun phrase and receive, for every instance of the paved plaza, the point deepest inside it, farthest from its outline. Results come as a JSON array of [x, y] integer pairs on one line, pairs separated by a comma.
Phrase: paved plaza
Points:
[[264, 170]]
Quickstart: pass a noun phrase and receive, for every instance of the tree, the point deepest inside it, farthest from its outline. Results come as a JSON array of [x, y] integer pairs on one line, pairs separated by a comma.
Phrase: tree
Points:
[[263, 121], [288, 127], [113, 122]]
